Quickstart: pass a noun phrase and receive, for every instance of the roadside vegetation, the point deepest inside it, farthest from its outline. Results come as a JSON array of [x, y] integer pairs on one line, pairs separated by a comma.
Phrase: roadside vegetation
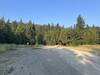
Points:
[[95, 49], [9, 47], [6, 47], [22, 34], [48, 34]]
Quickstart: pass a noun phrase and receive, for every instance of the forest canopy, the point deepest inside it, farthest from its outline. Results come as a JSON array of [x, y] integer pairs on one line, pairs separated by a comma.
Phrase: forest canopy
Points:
[[49, 34]]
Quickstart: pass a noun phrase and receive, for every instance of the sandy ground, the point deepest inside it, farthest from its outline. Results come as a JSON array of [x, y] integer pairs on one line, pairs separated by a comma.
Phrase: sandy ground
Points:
[[49, 61]]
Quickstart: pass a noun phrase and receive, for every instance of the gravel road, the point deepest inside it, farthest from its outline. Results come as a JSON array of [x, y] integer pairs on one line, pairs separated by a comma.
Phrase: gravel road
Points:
[[48, 61]]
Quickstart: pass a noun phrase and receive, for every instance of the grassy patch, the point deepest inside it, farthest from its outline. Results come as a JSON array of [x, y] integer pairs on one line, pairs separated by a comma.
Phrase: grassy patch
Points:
[[95, 51], [6, 47], [86, 47], [9, 47]]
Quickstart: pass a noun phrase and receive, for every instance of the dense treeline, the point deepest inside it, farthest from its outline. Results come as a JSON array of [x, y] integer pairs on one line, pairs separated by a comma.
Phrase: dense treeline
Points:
[[50, 34]]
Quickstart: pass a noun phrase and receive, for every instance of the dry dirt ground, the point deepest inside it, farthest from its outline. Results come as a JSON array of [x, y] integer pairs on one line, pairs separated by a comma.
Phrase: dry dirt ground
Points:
[[49, 61]]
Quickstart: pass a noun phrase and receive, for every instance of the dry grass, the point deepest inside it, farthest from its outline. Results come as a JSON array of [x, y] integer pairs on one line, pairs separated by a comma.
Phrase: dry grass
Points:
[[94, 49], [86, 47], [80, 48]]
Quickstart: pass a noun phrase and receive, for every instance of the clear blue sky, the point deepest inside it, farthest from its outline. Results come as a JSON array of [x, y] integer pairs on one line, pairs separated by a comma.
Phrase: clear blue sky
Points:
[[56, 11]]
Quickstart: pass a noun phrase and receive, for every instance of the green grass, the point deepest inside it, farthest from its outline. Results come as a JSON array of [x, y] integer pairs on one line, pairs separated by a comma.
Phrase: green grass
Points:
[[95, 51], [9, 47], [6, 47]]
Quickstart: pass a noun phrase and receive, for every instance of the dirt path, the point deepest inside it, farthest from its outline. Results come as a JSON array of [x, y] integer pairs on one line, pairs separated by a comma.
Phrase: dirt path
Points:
[[48, 61]]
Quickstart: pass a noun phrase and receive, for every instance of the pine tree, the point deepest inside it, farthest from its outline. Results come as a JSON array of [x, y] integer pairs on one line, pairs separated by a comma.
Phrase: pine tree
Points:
[[79, 30], [80, 23], [30, 32]]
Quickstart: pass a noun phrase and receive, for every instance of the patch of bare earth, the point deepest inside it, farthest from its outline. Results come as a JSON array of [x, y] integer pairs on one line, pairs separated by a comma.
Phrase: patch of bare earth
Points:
[[55, 46]]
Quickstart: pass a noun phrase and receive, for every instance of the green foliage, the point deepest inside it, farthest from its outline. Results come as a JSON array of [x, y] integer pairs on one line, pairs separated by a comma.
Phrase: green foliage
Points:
[[50, 34], [80, 23]]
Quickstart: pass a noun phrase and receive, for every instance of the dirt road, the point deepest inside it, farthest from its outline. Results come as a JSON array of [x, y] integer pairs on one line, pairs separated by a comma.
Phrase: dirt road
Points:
[[48, 61]]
